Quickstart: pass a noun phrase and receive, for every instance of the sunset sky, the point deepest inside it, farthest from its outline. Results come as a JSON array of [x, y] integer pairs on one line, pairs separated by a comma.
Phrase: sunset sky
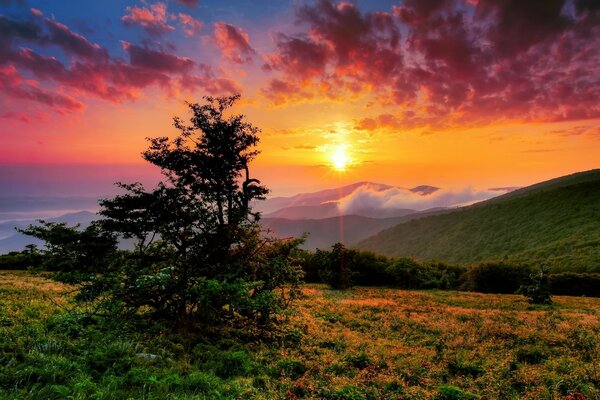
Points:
[[482, 93]]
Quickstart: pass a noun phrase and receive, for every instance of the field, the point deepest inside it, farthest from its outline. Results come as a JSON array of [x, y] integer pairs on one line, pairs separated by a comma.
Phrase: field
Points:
[[361, 344]]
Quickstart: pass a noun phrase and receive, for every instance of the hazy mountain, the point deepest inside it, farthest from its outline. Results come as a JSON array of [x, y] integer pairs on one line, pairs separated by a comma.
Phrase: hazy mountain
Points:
[[348, 229], [28, 208], [314, 198], [555, 222], [324, 203], [15, 241]]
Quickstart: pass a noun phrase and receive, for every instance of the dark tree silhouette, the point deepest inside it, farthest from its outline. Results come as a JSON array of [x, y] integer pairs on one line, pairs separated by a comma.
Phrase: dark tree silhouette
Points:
[[199, 252]]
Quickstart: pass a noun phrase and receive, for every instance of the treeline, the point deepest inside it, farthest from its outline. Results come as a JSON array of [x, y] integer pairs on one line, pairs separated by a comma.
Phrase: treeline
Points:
[[342, 268]]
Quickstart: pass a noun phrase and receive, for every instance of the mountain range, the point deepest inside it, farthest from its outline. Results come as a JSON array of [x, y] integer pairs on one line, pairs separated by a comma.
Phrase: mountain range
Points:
[[556, 223]]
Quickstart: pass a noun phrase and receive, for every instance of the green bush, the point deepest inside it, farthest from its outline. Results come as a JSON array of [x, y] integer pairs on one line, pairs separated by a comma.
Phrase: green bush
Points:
[[231, 364], [496, 278], [537, 291], [530, 355], [575, 284], [291, 368], [447, 392]]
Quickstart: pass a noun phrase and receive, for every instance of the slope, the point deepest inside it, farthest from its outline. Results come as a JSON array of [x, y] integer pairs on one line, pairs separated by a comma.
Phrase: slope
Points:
[[555, 222]]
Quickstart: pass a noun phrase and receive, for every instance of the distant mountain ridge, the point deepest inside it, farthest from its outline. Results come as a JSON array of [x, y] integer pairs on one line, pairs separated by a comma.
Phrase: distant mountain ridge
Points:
[[347, 229], [16, 241], [324, 204], [367, 208], [556, 222]]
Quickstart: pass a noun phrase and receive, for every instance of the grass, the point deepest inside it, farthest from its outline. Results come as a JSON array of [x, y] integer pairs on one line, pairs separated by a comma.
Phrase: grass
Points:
[[556, 223], [361, 344]]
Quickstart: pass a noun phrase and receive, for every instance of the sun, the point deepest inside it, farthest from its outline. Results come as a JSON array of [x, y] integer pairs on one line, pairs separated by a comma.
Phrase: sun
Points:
[[340, 158]]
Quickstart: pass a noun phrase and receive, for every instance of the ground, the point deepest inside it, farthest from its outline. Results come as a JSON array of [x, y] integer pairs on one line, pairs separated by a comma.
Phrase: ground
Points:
[[366, 343]]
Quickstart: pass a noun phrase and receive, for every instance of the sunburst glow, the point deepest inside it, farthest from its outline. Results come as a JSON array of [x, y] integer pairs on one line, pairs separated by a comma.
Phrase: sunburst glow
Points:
[[340, 158]]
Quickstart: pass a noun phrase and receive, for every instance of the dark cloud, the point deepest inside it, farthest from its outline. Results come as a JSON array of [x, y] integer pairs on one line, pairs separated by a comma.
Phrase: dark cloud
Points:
[[516, 25], [341, 41], [144, 57], [13, 85], [188, 3], [460, 62], [72, 42], [91, 71]]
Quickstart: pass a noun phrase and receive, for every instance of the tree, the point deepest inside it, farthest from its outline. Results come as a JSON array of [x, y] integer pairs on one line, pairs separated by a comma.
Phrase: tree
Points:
[[199, 253], [336, 267], [538, 290]]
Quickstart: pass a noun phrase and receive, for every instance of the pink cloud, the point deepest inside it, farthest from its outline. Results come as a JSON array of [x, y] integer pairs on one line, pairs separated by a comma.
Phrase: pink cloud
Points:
[[234, 43], [191, 26], [152, 19], [459, 62], [15, 87]]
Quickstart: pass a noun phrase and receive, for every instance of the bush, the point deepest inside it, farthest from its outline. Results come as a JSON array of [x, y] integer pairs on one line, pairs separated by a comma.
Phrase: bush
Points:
[[530, 355], [447, 392], [496, 278], [336, 267], [538, 290], [21, 260], [233, 364], [407, 273], [575, 284]]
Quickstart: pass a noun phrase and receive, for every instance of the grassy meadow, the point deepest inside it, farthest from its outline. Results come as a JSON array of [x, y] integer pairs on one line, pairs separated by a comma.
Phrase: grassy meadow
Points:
[[365, 343]]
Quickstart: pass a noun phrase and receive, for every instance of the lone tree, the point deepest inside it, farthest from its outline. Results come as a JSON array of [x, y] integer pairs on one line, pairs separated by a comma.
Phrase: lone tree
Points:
[[538, 289], [199, 252]]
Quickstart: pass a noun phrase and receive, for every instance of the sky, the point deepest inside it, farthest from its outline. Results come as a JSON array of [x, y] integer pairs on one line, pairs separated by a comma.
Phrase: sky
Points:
[[450, 93]]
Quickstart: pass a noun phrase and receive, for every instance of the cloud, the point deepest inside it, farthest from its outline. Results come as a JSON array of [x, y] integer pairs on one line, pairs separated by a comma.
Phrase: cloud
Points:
[[445, 62], [234, 43], [188, 3], [73, 43], [205, 79], [89, 70], [367, 198], [343, 52], [157, 60], [152, 19], [191, 26], [13, 85], [15, 116]]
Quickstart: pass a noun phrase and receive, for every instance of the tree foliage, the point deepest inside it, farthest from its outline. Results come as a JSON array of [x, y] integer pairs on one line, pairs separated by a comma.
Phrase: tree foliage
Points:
[[538, 289], [199, 253]]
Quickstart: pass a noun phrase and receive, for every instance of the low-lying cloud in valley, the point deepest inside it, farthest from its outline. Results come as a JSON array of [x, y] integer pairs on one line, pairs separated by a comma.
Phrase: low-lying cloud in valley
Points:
[[365, 198]]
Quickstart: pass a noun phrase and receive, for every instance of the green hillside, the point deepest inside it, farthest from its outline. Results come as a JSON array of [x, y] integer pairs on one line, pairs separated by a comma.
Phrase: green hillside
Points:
[[557, 222]]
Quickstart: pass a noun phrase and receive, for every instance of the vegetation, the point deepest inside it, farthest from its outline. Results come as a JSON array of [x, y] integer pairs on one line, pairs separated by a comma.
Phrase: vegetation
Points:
[[364, 268], [354, 344], [556, 223], [188, 308], [538, 289], [199, 256]]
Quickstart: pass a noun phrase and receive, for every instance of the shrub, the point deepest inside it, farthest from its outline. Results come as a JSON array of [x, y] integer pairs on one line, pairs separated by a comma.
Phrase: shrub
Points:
[[575, 284], [496, 278], [530, 355], [336, 267], [447, 392], [233, 364], [538, 290], [291, 368]]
